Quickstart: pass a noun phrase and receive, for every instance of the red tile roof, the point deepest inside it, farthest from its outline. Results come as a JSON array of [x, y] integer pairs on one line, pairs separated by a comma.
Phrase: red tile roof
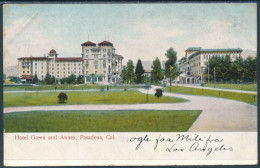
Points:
[[88, 43], [26, 77], [52, 51], [32, 58], [105, 43], [69, 59]]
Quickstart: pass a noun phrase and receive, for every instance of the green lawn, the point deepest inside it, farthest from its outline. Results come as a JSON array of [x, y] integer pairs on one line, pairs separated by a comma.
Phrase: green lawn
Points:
[[248, 87], [100, 121], [249, 98], [64, 87], [76, 97]]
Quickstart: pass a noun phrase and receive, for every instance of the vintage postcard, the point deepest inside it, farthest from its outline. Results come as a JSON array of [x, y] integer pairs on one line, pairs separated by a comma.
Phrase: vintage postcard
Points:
[[130, 84]]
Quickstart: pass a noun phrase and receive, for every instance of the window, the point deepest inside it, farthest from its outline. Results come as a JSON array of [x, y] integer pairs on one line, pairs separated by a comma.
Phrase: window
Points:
[[63, 64], [79, 72], [104, 56], [86, 72], [108, 61], [87, 50], [42, 63], [68, 64], [96, 62], [35, 72], [23, 72], [86, 56], [96, 67], [104, 72], [108, 50], [68, 68], [104, 50], [58, 64], [35, 63], [104, 65], [63, 68], [35, 67], [75, 64], [58, 76], [86, 65], [95, 72], [95, 56], [74, 68]]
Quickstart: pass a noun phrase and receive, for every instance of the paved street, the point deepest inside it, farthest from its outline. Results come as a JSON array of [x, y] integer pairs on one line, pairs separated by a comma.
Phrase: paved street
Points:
[[218, 114], [220, 89]]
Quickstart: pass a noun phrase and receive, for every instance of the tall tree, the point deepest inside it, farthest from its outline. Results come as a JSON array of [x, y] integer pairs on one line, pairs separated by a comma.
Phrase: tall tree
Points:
[[35, 79], [72, 79], [157, 74], [130, 75], [170, 64], [49, 79], [139, 72]]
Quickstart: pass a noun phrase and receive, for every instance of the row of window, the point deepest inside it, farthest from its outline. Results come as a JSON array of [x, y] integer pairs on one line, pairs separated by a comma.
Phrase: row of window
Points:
[[96, 56], [65, 64], [104, 50], [68, 68], [65, 72]]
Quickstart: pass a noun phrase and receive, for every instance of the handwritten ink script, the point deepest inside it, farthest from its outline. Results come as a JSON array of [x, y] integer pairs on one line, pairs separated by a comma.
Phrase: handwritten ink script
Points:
[[191, 143]]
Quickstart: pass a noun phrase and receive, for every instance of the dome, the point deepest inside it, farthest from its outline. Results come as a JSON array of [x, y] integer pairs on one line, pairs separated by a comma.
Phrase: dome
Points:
[[52, 51]]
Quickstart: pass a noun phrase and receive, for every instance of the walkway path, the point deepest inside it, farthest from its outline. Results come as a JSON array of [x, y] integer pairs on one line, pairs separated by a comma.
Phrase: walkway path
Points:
[[220, 89], [218, 114]]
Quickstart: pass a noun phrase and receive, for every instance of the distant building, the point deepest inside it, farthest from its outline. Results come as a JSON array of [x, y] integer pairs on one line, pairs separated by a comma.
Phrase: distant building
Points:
[[59, 67], [100, 62], [97, 63], [193, 64]]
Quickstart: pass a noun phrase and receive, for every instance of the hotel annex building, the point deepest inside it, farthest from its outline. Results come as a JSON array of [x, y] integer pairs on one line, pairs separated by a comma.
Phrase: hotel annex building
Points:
[[98, 62], [193, 64]]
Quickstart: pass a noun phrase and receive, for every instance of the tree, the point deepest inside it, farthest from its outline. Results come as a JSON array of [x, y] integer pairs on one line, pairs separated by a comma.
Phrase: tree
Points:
[[71, 79], [170, 64], [128, 74], [156, 73], [49, 79], [62, 97], [139, 72], [15, 79], [35, 79], [80, 79], [158, 93]]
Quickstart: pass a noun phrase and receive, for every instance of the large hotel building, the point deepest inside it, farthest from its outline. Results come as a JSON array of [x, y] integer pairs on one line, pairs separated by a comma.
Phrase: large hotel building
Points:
[[98, 62], [193, 64]]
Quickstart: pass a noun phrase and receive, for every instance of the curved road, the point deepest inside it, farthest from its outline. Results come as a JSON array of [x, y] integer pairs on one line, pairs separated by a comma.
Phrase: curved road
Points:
[[218, 114]]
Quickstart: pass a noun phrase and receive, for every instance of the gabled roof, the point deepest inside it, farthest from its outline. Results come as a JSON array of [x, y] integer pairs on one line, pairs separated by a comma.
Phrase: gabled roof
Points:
[[88, 43], [26, 77], [106, 43], [32, 58], [77, 59]]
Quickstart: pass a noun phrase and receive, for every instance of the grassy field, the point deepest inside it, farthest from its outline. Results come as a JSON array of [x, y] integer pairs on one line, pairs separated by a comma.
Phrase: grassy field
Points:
[[249, 98], [76, 97], [100, 121], [64, 87], [248, 87]]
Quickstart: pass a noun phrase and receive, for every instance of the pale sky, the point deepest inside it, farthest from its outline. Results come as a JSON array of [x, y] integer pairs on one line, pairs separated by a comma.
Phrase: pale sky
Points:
[[142, 31]]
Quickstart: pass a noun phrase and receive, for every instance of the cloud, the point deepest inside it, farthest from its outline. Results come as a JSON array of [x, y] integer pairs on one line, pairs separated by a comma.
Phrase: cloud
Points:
[[148, 41], [31, 36]]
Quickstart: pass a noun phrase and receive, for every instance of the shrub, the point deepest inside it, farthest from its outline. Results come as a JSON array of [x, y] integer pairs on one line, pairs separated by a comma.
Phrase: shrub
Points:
[[62, 97], [158, 93]]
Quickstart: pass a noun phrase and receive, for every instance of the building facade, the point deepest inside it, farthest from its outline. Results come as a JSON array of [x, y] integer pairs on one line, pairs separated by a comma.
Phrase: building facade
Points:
[[98, 63], [193, 64]]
